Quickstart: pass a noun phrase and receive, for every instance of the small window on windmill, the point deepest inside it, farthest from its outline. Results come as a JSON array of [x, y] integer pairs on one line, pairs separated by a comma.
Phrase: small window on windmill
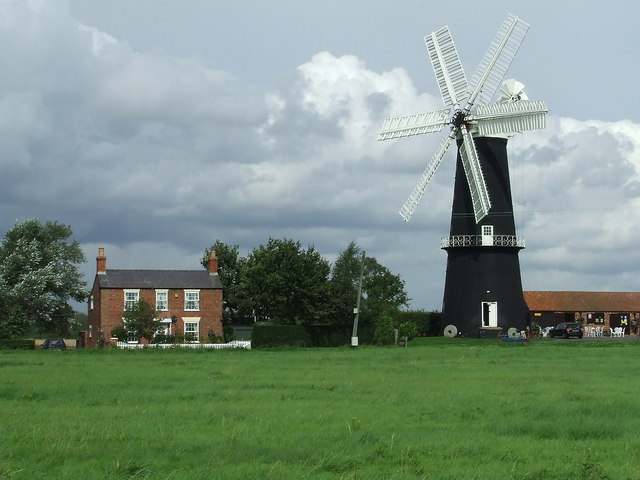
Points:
[[487, 235]]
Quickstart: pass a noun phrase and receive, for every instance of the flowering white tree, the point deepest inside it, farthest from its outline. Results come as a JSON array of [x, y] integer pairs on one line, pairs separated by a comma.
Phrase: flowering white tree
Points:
[[39, 273]]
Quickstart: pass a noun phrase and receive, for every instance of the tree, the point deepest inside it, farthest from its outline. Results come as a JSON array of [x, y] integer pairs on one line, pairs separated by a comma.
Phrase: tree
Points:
[[287, 284], [12, 321], [385, 332], [345, 275], [230, 267], [384, 291], [39, 271], [141, 320], [381, 290]]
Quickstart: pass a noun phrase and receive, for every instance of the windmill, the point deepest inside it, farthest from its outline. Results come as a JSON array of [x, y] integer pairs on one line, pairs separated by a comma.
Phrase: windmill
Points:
[[483, 289]]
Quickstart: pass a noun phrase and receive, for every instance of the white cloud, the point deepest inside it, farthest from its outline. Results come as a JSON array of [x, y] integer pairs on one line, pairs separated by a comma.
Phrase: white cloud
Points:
[[156, 156]]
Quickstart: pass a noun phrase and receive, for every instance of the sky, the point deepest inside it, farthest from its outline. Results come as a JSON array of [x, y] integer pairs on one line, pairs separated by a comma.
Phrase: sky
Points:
[[154, 128]]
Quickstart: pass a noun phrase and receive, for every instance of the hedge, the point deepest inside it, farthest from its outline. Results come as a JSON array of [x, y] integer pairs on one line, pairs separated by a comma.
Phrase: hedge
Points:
[[279, 335], [311, 335], [17, 344]]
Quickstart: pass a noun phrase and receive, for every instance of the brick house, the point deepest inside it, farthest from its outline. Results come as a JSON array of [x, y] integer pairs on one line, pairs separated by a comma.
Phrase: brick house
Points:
[[601, 309], [188, 301]]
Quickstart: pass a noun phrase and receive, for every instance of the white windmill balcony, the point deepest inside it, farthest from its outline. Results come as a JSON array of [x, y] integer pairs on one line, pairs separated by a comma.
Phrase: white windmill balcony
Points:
[[482, 241]]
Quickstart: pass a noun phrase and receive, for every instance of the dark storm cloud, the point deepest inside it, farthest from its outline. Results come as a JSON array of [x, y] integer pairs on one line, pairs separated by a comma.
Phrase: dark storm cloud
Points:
[[155, 150]]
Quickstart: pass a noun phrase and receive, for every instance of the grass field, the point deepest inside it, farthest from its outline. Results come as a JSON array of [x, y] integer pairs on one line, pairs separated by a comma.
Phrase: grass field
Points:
[[439, 409]]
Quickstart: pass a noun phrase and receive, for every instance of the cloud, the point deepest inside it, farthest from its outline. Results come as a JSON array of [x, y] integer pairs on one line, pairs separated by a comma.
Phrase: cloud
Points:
[[156, 156], [580, 203]]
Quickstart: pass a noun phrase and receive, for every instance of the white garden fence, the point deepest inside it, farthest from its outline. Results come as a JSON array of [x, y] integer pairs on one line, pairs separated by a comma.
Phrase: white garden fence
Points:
[[215, 346]]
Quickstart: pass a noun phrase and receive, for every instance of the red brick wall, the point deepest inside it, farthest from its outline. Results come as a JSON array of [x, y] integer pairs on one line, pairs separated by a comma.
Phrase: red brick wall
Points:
[[109, 305]]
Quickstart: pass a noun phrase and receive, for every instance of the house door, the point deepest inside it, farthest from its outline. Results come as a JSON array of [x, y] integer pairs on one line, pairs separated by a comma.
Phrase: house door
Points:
[[489, 314]]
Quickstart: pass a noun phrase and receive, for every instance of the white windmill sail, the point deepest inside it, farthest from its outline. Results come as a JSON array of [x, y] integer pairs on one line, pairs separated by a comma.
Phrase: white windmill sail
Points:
[[497, 60], [475, 178], [414, 124], [509, 117], [412, 202], [477, 117], [446, 64]]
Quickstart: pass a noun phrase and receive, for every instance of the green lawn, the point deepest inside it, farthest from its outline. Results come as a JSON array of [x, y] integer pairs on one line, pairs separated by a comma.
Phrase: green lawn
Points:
[[439, 409]]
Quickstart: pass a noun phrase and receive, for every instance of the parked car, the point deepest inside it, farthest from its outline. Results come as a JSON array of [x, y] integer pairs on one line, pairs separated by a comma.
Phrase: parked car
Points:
[[566, 330], [54, 344]]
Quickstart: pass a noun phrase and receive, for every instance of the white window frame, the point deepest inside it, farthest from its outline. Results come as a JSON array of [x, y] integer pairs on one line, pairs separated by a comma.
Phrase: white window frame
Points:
[[159, 308], [195, 307], [131, 291], [191, 321]]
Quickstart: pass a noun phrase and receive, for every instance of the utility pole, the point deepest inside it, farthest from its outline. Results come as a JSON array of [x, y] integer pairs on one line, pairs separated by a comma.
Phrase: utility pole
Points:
[[356, 311]]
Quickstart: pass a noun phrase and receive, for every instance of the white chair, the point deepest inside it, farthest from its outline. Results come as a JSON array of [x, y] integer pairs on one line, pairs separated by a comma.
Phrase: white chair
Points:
[[616, 332]]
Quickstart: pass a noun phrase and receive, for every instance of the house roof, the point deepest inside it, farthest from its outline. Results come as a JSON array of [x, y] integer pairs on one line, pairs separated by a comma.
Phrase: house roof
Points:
[[583, 301], [200, 279]]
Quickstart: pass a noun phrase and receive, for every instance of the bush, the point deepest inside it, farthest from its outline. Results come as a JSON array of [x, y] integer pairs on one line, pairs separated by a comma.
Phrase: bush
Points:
[[325, 335], [17, 344], [385, 331], [120, 333], [428, 323], [213, 338], [408, 329], [279, 335], [164, 339], [227, 333]]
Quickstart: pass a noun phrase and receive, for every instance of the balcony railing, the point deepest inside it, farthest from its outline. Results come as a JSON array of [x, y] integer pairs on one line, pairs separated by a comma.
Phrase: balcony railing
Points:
[[482, 241]]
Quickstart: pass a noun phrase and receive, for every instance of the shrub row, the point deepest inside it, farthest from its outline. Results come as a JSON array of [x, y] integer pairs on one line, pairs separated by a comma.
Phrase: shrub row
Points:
[[306, 335], [17, 344]]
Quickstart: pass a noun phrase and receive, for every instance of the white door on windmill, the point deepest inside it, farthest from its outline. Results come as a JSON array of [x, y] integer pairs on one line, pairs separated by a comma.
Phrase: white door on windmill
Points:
[[487, 235], [489, 314]]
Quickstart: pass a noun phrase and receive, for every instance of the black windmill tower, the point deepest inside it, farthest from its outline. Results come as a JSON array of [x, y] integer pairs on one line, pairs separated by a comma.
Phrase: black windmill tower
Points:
[[483, 287]]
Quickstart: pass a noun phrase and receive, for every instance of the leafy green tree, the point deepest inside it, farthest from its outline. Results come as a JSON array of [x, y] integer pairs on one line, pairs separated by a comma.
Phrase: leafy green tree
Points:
[[345, 275], [13, 323], [230, 268], [80, 322], [384, 290], [141, 320], [39, 270], [385, 332], [381, 290], [287, 284]]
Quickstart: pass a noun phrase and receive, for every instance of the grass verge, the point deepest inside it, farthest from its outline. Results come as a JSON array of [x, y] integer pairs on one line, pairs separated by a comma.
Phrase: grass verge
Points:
[[439, 409]]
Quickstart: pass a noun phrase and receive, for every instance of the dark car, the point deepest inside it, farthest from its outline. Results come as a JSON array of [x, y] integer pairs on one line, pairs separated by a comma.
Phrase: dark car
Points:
[[566, 330], [54, 344]]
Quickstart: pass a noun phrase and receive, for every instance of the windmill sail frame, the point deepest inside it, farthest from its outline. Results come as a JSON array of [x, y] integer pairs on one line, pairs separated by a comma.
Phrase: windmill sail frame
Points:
[[481, 119]]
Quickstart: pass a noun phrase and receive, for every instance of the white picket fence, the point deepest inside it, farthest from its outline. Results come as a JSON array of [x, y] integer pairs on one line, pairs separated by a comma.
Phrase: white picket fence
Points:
[[215, 346]]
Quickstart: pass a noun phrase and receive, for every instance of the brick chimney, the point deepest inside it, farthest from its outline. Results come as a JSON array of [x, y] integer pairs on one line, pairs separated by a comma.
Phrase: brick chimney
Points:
[[101, 261], [213, 263]]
